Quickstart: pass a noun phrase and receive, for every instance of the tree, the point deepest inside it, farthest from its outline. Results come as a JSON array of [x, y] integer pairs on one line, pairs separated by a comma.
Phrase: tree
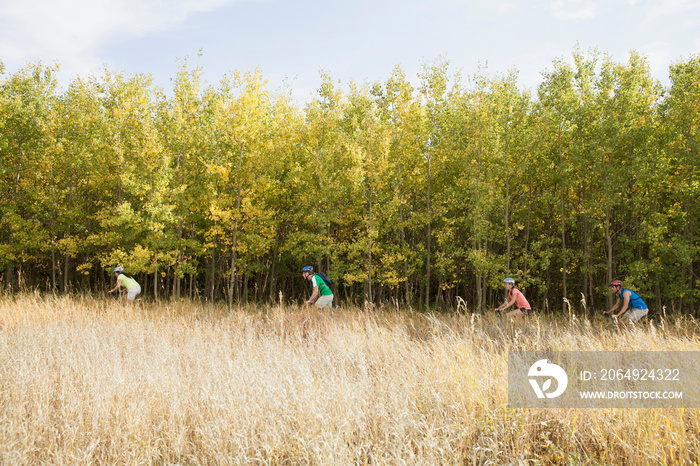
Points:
[[243, 109], [681, 147], [139, 213], [25, 101]]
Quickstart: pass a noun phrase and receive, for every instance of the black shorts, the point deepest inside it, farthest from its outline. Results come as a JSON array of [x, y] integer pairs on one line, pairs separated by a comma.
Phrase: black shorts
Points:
[[525, 310]]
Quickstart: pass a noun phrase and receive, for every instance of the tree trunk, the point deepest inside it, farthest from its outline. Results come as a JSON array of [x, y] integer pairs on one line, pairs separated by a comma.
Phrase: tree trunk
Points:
[[369, 262], [609, 250], [527, 225], [181, 252], [213, 271], [66, 263], [53, 264], [232, 278], [507, 210], [479, 292], [155, 275], [274, 269], [430, 217], [66, 270], [234, 246], [563, 225]]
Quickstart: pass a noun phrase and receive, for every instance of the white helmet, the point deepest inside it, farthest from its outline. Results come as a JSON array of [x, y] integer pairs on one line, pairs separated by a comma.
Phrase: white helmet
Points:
[[509, 280], [119, 269]]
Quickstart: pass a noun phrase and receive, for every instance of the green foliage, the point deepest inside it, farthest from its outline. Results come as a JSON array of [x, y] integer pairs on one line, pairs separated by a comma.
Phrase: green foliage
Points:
[[402, 194]]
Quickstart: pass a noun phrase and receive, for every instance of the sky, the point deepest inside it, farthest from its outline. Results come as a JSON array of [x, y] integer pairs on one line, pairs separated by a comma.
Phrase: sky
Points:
[[291, 41]]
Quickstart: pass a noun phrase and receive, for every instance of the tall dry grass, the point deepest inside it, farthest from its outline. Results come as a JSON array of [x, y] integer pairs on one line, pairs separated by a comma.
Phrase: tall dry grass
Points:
[[85, 381]]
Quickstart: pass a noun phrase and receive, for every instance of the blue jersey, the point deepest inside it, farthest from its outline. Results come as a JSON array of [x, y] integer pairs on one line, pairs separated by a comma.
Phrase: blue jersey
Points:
[[635, 301]]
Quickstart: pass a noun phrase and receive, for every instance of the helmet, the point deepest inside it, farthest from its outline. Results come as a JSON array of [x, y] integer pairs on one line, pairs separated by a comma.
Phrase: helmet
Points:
[[616, 283], [119, 269], [308, 268], [509, 280]]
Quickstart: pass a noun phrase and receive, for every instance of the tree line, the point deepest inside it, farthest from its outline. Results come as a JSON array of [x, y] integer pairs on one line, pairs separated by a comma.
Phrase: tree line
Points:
[[425, 195]]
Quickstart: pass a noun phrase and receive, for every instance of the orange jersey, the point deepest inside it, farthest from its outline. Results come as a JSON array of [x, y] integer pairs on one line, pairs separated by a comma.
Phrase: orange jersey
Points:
[[520, 301]]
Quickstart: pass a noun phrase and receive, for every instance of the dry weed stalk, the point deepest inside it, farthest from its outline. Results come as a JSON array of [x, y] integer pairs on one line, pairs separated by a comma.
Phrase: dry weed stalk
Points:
[[89, 381]]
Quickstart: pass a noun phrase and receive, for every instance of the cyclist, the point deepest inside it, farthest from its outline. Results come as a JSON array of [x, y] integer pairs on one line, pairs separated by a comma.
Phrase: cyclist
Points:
[[633, 306], [515, 296], [321, 294], [133, 289]]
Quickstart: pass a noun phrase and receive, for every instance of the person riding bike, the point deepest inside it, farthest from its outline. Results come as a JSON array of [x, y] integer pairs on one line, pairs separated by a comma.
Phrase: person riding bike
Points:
[[321, 294], [133, 289], [515, 296], [633, 306]]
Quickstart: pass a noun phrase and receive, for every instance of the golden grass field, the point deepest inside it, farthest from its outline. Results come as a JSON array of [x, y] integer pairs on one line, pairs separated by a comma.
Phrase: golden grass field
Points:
[[89, 381]]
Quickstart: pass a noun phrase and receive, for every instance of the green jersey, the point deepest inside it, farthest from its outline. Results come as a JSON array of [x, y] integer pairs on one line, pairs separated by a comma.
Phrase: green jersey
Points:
[[127, 282], [323, 289]]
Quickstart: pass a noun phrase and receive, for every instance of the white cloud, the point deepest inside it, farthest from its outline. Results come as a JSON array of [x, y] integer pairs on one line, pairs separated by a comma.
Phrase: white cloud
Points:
[[507, 7], [70, 31], [661, 8], [659, 56], [573, 9]]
